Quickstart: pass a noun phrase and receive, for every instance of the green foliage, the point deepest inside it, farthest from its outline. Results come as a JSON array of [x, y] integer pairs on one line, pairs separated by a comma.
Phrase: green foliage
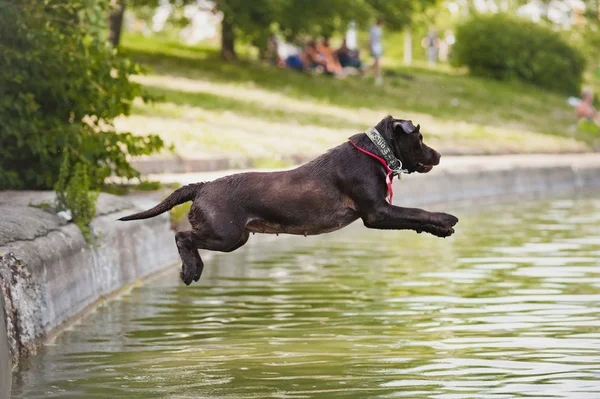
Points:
[[588, 127], [61, 86], [73, 193], [502, 47], [590, 32], [254, 20], [45, 205]]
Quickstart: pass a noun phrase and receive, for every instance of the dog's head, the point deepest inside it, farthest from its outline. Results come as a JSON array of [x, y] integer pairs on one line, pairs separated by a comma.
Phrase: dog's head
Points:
[[406, 142]]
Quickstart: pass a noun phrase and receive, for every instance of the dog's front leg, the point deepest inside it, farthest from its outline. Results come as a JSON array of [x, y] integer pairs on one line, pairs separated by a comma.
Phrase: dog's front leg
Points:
[[390, 217]]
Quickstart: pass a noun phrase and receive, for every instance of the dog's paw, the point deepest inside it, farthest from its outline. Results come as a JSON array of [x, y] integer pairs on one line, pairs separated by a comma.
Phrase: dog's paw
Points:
[[188, 273], [437, 231], [443, 233], [445, 219]]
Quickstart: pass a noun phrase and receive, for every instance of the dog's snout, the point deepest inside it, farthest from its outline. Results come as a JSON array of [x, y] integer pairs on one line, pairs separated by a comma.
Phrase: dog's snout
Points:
[[436, 157]]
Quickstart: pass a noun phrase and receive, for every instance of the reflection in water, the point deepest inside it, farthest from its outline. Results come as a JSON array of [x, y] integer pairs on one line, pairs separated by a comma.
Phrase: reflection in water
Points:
[[508, 307]]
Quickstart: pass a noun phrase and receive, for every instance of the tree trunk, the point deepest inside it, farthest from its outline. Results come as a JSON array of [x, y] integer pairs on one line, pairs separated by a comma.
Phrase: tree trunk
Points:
[[227, 39], [115, 20]]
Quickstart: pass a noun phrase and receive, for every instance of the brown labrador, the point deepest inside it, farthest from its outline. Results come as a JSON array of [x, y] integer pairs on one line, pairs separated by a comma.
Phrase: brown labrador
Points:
[[324, 195]]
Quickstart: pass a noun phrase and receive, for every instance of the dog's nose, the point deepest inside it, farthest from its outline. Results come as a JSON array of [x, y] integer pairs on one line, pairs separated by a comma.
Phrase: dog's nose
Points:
[[437, 158]]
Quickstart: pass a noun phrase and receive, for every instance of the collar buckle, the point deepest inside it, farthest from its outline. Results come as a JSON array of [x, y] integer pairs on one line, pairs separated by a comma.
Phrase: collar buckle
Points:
[[398, 172]]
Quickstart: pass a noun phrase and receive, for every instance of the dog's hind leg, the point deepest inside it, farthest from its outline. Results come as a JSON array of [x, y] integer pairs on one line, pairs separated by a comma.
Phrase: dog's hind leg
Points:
[[192, 264], [189, 242]]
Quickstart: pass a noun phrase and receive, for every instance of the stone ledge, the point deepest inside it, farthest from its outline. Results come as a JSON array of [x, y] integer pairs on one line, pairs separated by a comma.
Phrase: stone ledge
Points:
[[176, 164], [498, 181], [24, 217], [184, 164], [49, 274]]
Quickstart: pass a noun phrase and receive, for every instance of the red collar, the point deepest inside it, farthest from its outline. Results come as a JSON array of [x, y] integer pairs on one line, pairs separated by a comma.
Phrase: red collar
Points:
[[389, 173]]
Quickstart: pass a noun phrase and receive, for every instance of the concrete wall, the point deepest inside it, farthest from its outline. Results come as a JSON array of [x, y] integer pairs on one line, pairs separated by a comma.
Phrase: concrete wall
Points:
[[508, 177], [49, 274]]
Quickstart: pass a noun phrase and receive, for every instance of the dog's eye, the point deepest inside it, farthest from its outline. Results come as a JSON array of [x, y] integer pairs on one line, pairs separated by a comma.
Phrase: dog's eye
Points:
[[420, 137]]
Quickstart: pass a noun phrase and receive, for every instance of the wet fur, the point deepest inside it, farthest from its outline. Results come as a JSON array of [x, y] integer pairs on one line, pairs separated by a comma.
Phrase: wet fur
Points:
[[322, 196]]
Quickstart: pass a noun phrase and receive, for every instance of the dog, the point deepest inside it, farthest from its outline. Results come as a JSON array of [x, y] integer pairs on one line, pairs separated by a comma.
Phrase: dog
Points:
[[347, 183]]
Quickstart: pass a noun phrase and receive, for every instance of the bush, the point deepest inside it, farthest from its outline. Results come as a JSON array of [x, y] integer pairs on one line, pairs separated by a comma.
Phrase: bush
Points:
[[503, 47], [61, 86], [73, 194]]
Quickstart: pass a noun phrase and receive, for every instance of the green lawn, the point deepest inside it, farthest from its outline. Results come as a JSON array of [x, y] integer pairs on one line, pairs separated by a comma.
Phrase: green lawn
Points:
[[208, 107]]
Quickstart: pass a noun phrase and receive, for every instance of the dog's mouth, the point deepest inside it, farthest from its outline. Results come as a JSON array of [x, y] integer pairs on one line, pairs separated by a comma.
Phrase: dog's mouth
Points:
[[423, 168]]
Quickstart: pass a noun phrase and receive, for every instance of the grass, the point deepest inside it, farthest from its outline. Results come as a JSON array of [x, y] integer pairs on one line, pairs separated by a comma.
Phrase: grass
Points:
[[214, 102], [208, 107]]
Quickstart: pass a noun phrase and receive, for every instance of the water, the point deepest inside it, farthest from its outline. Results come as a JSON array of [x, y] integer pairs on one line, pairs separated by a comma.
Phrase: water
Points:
[[509, 307]]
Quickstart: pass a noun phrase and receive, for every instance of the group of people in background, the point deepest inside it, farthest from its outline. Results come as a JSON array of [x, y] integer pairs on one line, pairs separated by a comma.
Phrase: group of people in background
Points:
[[319, 56], [346, 60]]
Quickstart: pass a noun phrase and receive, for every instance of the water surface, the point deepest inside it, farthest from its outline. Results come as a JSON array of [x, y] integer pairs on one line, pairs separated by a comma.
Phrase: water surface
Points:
[[508, 307]]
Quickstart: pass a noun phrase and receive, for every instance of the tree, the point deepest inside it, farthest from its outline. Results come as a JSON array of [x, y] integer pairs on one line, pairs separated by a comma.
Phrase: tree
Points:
[[316, 17], [253, 21], [116, 21], [61, 86], [228, 36], [590, 31], [401, 16], [248, 20], [117, 12]]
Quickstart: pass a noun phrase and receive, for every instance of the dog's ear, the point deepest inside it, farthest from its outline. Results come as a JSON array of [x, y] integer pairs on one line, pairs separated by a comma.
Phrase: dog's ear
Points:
[[406, 126]]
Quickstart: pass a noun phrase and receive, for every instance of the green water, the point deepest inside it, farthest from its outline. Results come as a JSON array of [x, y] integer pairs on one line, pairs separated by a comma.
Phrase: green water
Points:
[[508, 307]]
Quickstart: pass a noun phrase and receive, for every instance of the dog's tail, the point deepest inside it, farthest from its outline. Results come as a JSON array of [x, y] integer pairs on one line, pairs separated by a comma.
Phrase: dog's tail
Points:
[[179, 196]]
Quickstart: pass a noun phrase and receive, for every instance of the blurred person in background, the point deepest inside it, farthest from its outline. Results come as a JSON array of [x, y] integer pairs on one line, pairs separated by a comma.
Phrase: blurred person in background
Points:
[[376, 47], [332, 64], [291, 54], [312, 58], [446, 46], [272, 55], [431, 44], [348, 58], [585, 109], [351, 39]]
